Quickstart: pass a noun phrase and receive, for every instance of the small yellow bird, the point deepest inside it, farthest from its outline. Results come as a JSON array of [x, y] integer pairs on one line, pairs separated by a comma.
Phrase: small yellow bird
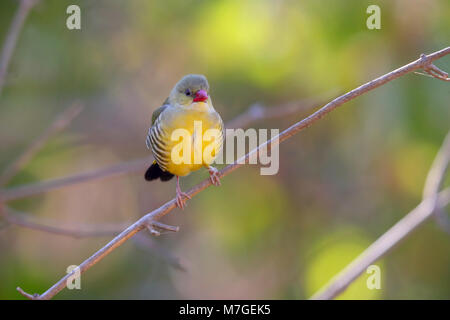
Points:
[[189, 110]]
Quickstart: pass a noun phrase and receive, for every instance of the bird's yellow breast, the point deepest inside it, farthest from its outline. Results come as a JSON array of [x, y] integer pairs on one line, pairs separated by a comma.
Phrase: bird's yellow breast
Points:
[[190, 125]]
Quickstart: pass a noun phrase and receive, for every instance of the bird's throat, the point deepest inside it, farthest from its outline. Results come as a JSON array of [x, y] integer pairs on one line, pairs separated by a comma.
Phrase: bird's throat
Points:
[[201, 106]]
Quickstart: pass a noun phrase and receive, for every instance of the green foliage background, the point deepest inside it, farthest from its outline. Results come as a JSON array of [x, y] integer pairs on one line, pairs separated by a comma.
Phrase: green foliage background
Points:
[[341, 183]]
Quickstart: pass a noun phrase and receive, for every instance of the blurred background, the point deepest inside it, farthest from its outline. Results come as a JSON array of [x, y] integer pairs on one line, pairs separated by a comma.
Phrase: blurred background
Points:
[[341, 184]]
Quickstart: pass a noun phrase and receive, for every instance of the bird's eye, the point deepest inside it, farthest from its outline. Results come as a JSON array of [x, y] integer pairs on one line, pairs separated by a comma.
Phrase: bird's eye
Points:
[[188, 92]]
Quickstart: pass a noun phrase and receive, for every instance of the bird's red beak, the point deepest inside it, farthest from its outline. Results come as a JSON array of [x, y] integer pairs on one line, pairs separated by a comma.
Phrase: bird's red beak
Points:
[[201, 96]]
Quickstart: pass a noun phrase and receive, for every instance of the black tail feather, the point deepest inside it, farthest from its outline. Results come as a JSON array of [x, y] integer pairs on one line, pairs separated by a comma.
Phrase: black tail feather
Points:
[[155, 172]]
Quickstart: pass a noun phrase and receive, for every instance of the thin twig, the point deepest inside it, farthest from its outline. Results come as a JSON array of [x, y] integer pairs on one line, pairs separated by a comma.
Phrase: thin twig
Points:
[[436, 174], [19, 192], [259, 112], [27, 295], [431, 203], [423, 74], [62, 121], [13, 217], [162, 226], [381, 246], [11, 38], [435, 179], [156, 214], [435, 72], [241, 121]]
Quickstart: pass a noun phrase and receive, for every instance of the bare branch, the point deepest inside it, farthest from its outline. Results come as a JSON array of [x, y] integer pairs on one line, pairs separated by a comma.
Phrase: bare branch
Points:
[[431, 203], [435, 178], [15, 193], [9, 45], [153, 225], [259, 112], [437, 172], [62, 121], [27, 295], [139, 164], [13, 217], [381, 246], [435, 72], [99, 255], [169, 206]]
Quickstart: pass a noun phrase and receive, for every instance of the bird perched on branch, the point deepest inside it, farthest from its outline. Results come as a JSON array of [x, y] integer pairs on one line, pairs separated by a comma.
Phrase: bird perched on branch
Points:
[[186, 134]]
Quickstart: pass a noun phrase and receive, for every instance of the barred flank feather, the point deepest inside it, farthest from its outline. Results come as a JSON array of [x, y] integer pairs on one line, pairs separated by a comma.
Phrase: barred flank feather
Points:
[[154, 142], [155, 139]]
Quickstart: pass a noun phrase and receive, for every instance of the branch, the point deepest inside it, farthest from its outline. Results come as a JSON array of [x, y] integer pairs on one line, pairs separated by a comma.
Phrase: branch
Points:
[[62, 121], [242, 121], [381, 246], [27, 295], [19, 192], [435, 72], [259, 112], [431, 203], [435, 179], [13, 217], [17, 23], [156, 214]]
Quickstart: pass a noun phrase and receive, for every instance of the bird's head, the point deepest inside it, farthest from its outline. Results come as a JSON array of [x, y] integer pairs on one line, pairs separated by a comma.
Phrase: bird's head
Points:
[[193, 88]]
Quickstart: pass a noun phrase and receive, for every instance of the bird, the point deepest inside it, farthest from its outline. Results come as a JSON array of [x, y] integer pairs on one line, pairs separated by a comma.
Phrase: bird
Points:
[[188, 105]]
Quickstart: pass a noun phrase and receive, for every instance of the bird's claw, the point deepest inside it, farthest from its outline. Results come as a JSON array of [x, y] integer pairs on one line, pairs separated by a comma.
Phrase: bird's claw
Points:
[[181, 199], [214, 176]]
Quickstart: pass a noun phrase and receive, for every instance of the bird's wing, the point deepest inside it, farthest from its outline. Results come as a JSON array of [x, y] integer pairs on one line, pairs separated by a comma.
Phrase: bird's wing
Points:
[[155, 116], [158, 111]]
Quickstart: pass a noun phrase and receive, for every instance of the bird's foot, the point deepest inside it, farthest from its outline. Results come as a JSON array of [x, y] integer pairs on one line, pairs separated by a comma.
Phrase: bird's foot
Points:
[[181, 199], [214, 176]]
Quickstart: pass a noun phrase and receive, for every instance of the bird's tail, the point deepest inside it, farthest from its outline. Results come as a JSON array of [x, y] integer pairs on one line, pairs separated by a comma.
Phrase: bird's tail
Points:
[[155, 172]]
